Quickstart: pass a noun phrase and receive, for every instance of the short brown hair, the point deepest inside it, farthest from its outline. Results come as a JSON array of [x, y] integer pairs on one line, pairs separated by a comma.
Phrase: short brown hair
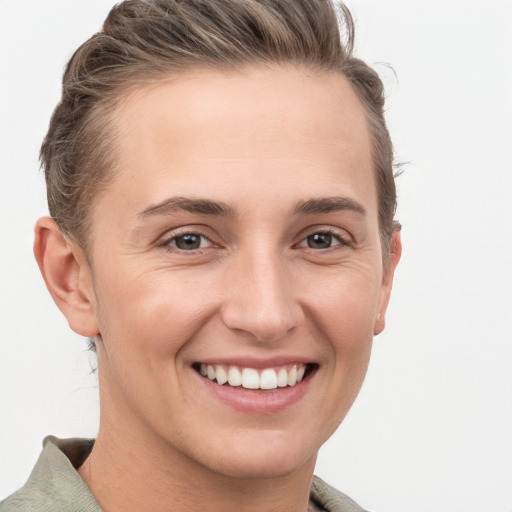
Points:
[[145, 40]]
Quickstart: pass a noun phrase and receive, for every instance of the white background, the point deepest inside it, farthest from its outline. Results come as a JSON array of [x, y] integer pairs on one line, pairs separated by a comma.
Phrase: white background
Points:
[[432, 428]]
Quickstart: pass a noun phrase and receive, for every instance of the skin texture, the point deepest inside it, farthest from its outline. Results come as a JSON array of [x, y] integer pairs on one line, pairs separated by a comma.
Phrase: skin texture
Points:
[[260, 142]]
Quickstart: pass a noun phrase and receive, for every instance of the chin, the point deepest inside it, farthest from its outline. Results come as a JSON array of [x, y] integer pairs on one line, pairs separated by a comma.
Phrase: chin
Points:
[[261, 469], [262, 458]]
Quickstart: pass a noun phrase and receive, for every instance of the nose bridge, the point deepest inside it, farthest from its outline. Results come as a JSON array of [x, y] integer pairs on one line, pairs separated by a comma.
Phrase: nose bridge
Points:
[[261, 298]]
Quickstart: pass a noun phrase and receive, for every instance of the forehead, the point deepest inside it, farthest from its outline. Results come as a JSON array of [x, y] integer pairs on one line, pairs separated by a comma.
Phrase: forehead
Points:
[[266, 126]]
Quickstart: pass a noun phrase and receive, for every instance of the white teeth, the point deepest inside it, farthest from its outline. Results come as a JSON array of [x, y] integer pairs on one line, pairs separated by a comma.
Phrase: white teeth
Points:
[[220, 375], [292, 376], [282, 378], [250, 378], [268, 379], [234, 376]]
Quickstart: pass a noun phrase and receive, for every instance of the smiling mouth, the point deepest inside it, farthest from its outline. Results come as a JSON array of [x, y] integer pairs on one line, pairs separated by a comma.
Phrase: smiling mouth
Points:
[[250, 378]]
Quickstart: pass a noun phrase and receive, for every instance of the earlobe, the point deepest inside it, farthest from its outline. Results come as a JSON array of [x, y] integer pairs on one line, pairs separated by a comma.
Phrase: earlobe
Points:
[[67, 275], [395, 252]]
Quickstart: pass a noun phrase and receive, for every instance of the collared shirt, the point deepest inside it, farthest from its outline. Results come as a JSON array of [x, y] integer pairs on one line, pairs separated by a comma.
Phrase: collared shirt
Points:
[[55, 486]]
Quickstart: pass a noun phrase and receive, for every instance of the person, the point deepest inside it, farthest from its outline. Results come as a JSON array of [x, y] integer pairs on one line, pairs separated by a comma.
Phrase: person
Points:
[[220, 184]]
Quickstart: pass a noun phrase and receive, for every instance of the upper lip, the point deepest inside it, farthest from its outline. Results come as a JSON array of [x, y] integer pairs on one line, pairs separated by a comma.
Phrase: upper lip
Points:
[[255, 362]]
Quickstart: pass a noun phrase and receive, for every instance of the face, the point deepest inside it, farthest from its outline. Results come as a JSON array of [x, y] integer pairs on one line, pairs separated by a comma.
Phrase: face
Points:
[[239, 241]]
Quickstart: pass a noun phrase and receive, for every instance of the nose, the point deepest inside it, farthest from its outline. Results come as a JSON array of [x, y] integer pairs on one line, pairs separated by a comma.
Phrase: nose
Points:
[[260, 298]]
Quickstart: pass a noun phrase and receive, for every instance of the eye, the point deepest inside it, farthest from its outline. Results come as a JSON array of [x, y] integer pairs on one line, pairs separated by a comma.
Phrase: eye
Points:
[[322, 240], [189, 242]]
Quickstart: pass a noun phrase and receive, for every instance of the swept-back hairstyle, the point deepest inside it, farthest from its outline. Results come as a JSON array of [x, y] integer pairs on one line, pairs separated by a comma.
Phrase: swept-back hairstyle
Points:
[[144, 41]]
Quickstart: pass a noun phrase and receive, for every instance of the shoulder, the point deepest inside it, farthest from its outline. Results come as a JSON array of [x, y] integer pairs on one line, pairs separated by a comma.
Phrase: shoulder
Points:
[[54, 485], [331, 499], [27, 500]]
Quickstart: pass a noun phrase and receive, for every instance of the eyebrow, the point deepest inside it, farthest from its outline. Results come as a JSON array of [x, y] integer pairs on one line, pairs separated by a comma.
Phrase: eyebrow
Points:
[[199, 206], [327, 205], [209, 207]]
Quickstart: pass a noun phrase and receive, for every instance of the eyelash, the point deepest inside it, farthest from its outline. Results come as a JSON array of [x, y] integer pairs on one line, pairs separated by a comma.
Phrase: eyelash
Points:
[[170, 244], [342, 240]]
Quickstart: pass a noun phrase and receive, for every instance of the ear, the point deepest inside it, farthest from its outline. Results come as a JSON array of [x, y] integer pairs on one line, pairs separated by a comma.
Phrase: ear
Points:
[[395, 252], [67, 275]]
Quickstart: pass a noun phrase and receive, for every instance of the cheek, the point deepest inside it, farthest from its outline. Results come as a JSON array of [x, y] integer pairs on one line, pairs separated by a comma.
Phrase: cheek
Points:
[[152, 314], [346, 307], [344, 316], [145, 325]]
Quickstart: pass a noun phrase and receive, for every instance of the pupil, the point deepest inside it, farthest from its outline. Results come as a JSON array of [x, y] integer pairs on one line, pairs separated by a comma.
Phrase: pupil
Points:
[[320, 241], [188, 242]]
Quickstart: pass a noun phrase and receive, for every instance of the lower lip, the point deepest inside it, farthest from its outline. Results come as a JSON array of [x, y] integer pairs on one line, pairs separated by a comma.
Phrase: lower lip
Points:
[[258, 401]]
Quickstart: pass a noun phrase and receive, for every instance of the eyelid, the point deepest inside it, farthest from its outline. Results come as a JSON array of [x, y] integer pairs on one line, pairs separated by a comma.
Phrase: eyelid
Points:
[[166, 239], [337, 241], [340, 234], [175, 237]]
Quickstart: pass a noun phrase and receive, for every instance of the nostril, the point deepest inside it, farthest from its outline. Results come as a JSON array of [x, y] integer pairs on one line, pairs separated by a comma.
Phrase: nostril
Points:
[[261, 300], [260, 325]]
